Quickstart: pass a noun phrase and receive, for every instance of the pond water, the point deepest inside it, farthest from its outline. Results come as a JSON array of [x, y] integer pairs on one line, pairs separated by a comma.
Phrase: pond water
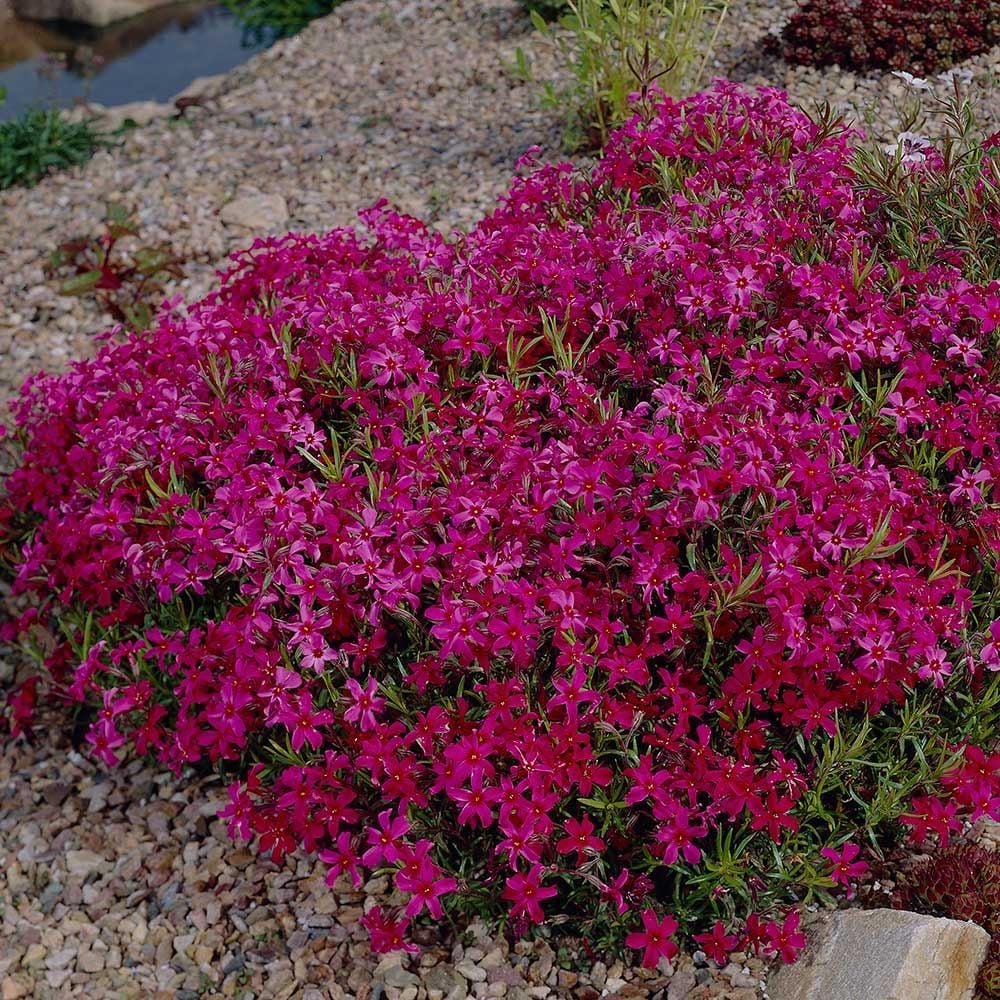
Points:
[[149, 57]]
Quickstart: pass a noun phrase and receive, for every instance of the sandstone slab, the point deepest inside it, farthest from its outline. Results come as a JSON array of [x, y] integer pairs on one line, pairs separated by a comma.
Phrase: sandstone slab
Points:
[[110, 119], [96, 13], [885, 955]]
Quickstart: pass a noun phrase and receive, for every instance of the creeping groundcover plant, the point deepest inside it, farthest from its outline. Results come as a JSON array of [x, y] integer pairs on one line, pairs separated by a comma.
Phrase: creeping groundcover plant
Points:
[[627, 563]]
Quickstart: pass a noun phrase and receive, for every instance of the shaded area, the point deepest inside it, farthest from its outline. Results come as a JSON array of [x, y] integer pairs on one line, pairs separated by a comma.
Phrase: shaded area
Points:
[[150, 57]]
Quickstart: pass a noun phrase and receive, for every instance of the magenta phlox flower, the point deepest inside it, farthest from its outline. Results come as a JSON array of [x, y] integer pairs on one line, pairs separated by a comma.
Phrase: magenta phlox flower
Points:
[[365, 704], [844, 868], [355, 522], [655, 939], [527, 893]]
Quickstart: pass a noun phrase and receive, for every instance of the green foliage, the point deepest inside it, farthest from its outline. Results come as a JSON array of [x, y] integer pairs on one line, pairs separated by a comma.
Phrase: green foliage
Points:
[[265, 21], [618, 48], [40, 141], [950, 212], [127, 285]]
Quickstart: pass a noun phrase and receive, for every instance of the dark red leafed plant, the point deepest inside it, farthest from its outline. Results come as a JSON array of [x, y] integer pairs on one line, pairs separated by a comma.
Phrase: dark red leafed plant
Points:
[[627, 560], [918, 36], [128, 285]]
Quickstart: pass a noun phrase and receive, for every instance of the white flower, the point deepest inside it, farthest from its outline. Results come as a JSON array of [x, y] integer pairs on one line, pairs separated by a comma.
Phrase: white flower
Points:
[[961, 73], [911, 81], [911, 146]]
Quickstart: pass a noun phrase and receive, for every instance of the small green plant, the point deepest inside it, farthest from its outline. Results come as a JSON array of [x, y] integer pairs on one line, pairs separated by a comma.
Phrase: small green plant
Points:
[[39, 141], [128, 285], [265, 21], [437, 201], [616, 49], [939, 202]]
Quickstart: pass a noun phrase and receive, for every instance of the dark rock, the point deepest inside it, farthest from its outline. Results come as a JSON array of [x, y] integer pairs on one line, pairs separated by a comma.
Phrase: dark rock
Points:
[[55, 792]]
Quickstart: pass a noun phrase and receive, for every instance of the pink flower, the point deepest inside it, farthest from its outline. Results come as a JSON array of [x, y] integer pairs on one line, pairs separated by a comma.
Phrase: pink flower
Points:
[[475, 801], [303, 721], [717, 944], [387, 934], [655, 939], [579, 839], [931, 815], [342, 860], [772, 814], [526, 893], [386, 840], [426, 886], [843, 868], [678, 833], [785, 939], [365, 704]]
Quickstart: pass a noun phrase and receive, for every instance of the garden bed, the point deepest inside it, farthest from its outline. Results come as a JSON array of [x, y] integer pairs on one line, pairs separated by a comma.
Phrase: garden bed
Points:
[[438, 135]]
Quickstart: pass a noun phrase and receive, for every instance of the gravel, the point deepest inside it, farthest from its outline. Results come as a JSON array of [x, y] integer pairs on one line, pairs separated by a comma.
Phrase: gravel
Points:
[[124, 885]]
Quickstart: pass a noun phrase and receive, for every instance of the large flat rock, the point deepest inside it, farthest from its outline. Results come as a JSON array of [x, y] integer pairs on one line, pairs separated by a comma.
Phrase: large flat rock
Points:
[[97, 13], [884, 955]]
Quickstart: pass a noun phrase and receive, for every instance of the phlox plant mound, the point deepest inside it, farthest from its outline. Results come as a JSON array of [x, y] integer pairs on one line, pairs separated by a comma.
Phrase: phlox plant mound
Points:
[[627, 562]]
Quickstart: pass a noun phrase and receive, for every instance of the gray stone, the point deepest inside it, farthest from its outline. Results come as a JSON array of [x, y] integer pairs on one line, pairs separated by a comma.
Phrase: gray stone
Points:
[[14, 989], [82, 863], [471, 971], [884, 955], [399, 977], [50, 897], [55, 792], [236, 964], [988, 833], [57, 977], [492, 960], [447, 982], [60, 959], [681, 984], [90, 961], [259, 212]]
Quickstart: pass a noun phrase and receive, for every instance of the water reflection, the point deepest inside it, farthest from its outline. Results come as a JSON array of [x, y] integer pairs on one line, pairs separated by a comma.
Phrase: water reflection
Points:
[[149, 57]]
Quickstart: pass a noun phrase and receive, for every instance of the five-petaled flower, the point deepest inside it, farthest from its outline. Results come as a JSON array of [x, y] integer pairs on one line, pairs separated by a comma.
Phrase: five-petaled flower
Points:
[[655, 938], [526, 893], [844, 869]]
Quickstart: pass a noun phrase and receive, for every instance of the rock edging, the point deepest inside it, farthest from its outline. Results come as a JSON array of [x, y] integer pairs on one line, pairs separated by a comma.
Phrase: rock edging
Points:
[[885, 955]]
